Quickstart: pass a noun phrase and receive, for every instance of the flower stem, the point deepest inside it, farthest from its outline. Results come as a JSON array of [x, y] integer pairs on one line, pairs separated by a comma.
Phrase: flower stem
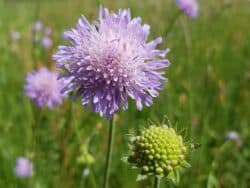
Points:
[[92, 178], [34, 33], [172, 22], [109, 152], [157, 182]]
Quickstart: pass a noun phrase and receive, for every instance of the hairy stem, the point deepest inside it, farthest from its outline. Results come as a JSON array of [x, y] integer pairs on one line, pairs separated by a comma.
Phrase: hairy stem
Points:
[[109, 152]]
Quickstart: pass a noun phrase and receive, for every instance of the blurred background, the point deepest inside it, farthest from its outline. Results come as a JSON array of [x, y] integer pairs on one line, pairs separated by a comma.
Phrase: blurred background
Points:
[[207, 96]]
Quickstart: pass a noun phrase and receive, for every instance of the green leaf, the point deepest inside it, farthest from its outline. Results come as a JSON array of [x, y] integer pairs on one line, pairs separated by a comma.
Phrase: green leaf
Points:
[[212, 181]]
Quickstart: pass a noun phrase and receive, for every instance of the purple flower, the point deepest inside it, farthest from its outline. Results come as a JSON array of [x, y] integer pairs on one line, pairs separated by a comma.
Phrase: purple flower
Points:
[[189, 7], [44, 88], [37, 26], [23, 167], [111, 60], [46, 42]]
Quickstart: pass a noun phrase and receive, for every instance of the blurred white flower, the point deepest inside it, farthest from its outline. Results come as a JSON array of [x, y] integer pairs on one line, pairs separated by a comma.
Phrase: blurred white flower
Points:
[[85, 172], [235, 137], [232, 135], [15, 35]]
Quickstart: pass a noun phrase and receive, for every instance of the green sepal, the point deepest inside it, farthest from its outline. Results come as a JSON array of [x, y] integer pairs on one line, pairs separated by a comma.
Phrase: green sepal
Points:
[[185, 164], [174, 176]]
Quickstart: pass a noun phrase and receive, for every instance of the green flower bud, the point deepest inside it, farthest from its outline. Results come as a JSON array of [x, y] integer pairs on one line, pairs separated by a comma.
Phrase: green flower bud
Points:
[[159, 170], [145, 168], [159, 151], [85, 157]]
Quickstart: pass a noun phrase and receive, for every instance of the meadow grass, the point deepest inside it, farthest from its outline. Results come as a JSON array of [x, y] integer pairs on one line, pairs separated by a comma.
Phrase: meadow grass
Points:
[[207, 95]]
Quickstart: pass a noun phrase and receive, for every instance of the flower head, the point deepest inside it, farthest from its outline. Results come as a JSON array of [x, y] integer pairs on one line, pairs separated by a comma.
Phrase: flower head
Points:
[[189, 7], [232, 135], [23, 167], [235, 137], [15, 36], [46, 42], [37, 26], [85, 172], [158, 150], [44, 88], [112, 60]]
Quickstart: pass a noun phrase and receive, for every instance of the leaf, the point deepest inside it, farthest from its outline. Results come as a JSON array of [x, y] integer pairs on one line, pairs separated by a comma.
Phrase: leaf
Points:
[[212, 181]]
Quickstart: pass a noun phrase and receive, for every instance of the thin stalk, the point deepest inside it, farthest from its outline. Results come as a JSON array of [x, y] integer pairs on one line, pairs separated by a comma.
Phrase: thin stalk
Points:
[[157, 182], [109, 152], [98, 2], [34, 33], [93, 178], [172, 22], [38, 117]]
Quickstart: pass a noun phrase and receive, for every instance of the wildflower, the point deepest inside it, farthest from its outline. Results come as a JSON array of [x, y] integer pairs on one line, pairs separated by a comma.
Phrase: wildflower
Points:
[[46, 42], [44, 88], [232, 135], [189, 7], [158, 151], [85, 172], [235, 137], [112, 60], [15, 36], [23, 168], [37, 26]]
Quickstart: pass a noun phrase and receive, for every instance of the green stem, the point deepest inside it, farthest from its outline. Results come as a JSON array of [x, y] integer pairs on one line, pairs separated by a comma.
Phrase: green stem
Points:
[[172, 22], [92, 178], [34, 33], [38, 117], [157, 182], [109, 152], [98, 2]]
